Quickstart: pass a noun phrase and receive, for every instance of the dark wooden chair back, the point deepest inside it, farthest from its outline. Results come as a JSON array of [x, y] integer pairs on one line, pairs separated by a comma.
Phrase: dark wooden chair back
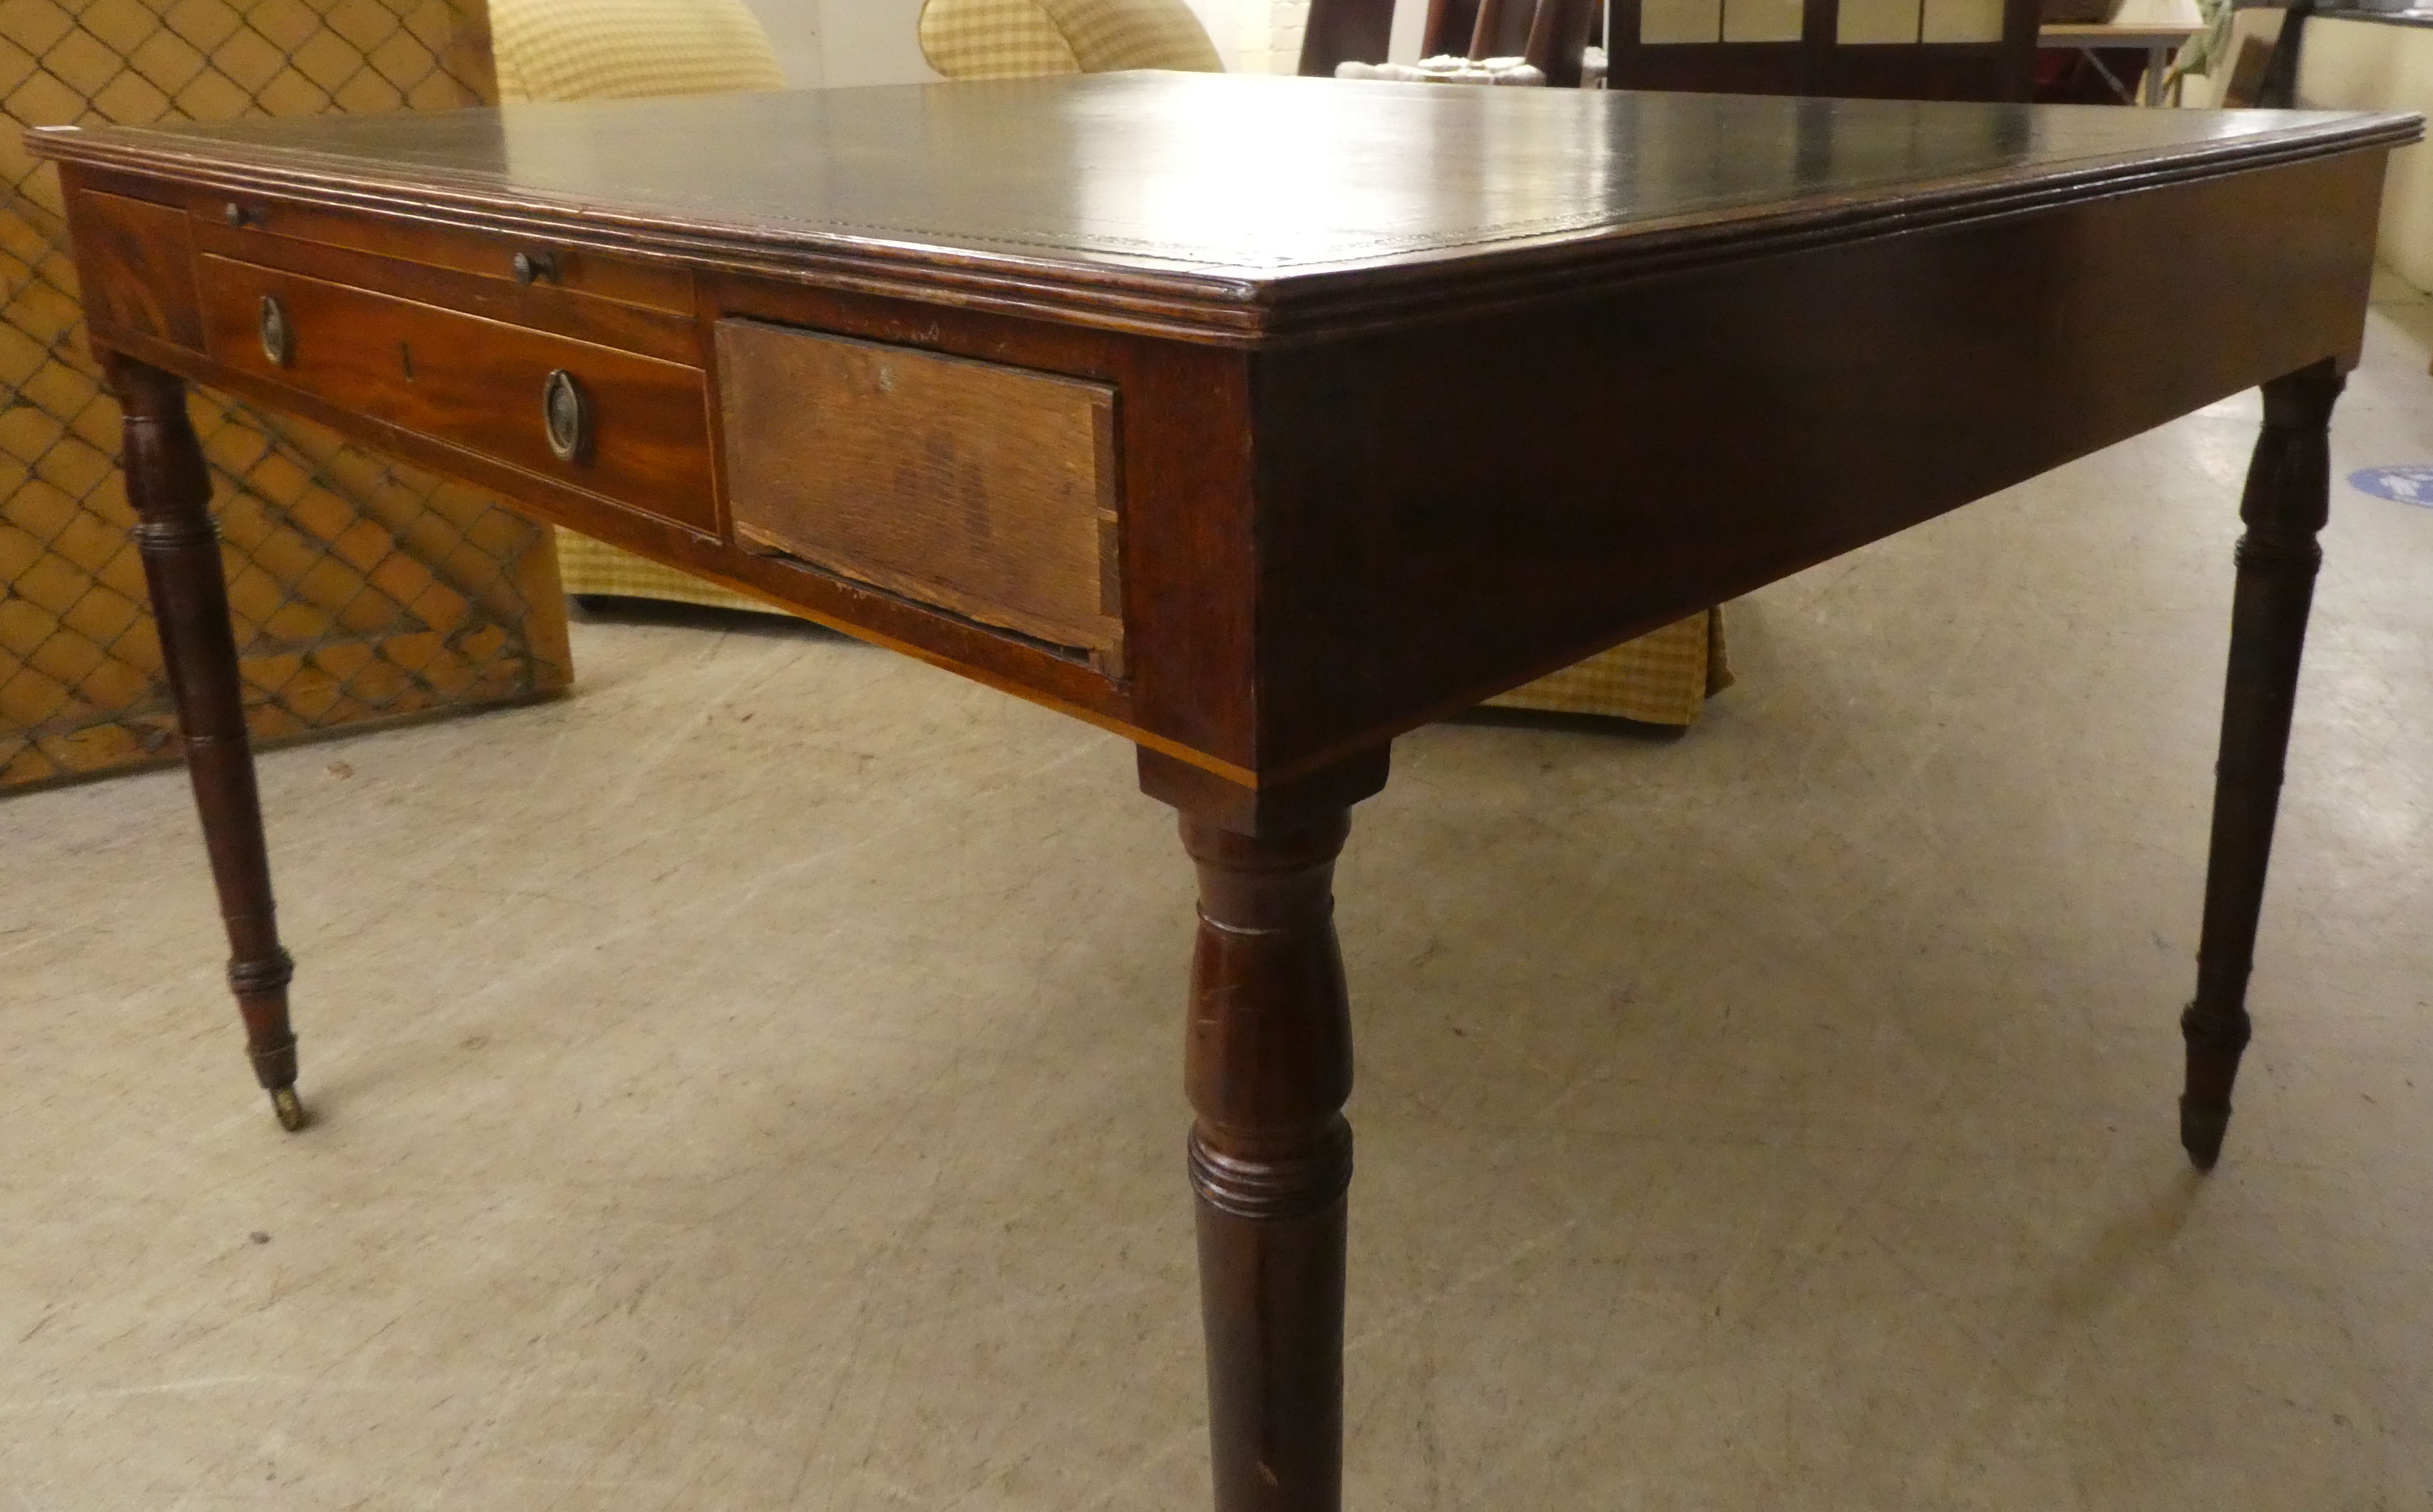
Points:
[[1879, 49], [1549, 34]]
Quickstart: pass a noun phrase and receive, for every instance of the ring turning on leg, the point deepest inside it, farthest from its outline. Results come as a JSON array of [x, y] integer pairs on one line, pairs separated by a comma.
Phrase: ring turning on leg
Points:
[[2286, 502], [1269, 1068], [170, 488]]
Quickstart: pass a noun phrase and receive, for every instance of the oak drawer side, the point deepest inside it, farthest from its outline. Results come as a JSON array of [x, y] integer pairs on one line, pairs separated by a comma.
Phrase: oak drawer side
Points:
[[985, 490]]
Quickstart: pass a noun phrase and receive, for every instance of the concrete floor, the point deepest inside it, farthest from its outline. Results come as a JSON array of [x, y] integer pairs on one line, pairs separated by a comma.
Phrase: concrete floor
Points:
[[753, 1082]]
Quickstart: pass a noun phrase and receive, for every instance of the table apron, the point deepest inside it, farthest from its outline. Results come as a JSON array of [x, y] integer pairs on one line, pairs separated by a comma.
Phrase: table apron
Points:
[[1325, 544], [1521, 494]]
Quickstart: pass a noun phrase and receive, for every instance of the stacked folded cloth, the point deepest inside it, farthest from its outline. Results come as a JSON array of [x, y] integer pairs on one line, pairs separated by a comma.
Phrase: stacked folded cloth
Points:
[[1449, 68]]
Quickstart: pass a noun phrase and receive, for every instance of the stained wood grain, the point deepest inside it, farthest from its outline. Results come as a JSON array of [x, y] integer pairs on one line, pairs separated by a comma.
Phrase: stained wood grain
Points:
[[253, 219], [541, 306], [477, 384], [1010, 664], [1132, 201], [1267, 1062], [1417, 561], [1187, 479], [170, 486], [135, 263], [2285, 503]]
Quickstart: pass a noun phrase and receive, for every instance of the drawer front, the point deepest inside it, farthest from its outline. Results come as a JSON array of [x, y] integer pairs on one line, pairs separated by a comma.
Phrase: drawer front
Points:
[[649, 285], [985, 490], [136, 265], [635, 431], [675, 338]]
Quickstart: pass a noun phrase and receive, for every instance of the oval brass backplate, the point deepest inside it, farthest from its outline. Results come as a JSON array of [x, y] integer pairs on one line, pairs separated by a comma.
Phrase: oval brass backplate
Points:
[[566, 416], [278, 337]]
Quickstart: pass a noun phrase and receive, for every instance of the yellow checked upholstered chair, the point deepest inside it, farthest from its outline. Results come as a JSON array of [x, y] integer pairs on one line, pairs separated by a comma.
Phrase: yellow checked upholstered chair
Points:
[[1021, 39], [627, 49]]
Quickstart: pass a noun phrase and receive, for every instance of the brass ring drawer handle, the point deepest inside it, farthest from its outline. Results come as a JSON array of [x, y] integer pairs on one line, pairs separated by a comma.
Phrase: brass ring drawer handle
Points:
[[277, 335], [566, 416]]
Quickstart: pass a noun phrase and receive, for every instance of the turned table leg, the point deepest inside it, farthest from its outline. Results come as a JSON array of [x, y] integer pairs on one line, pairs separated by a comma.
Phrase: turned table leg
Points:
[[1267, 1066], [170, 488], [2286, 501]]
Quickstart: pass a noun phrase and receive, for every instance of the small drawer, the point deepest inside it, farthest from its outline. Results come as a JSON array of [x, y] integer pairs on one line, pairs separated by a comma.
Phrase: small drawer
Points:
[[235, 223], [136, 265], [630, 429], [984, 490]]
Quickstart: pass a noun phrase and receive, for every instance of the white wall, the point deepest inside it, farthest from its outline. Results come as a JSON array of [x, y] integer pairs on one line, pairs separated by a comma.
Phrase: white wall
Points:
[[1223, 23], [2368, 65], [793, 29], [1266, 35], [843, 43], [869, 41]]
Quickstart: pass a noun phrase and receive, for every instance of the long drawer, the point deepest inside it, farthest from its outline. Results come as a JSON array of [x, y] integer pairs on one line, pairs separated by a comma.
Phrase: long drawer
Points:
[[630, 429], [238, 225]]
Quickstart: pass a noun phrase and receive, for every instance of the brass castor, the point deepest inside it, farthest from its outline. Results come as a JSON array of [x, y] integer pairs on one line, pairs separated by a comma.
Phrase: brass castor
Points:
[[289, 1108]]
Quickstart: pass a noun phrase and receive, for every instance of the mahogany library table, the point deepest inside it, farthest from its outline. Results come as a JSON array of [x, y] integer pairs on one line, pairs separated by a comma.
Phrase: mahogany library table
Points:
[[1256, 419]]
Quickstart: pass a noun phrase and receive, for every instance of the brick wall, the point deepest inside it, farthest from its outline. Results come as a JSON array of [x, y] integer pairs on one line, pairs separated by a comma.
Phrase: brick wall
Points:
[[1256, 36], [1272, 34]]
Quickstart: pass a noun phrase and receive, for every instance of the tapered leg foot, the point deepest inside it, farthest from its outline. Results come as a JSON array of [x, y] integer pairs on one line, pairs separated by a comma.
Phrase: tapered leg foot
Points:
[[2214, 1049], [170, 486], [2286, 502]]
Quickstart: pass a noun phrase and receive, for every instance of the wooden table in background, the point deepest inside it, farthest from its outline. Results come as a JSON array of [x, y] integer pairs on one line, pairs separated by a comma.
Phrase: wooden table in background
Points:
[[2160, 42], [1257, 420]]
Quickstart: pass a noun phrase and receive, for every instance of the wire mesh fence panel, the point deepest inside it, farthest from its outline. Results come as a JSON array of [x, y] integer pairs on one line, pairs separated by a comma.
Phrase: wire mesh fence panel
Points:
[[363, 588]]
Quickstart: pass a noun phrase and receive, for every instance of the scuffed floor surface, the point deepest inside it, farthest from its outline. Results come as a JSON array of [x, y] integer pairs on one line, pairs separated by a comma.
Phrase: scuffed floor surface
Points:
[[753, 1082]]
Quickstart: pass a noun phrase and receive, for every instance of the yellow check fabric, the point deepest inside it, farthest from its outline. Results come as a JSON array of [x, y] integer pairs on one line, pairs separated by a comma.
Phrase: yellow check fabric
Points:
[[1664, 677], [993, 39], [627, 49], [1024, 39]]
